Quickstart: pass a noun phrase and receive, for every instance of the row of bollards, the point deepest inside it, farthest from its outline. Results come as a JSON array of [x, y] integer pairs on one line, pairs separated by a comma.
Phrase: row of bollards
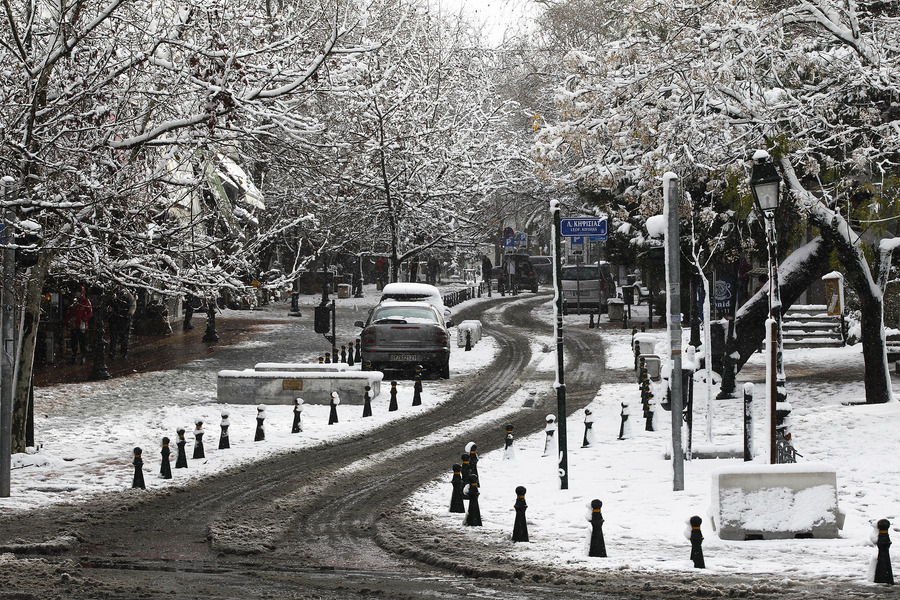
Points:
[[349, 357], [260, 433]]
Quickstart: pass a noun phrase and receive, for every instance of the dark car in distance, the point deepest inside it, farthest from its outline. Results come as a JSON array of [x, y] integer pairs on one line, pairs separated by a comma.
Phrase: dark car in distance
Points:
[[516, 271], [543, 266], [405, 336]]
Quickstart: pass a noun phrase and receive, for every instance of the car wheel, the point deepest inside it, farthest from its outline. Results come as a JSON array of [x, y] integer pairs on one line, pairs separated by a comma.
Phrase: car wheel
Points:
[[534, 288]]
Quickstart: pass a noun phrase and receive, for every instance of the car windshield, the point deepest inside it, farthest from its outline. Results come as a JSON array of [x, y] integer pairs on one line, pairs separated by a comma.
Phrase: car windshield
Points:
[[404, 314], [580, 273]]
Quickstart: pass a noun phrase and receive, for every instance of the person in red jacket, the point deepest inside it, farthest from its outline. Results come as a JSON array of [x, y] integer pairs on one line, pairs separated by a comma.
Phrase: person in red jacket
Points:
[[77, 317]]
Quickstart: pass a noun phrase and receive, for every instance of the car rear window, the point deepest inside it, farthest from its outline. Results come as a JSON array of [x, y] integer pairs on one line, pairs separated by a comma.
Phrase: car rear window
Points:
[[408, 314], [580, 273]]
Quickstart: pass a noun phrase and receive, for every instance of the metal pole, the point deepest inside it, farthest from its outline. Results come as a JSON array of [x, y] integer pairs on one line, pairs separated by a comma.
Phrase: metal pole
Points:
[[560, 362], [673, 268], [776, 361], [7, 362]]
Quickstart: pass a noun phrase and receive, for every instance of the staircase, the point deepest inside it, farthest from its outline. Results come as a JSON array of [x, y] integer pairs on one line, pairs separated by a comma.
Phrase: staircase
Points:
[[810, 326]]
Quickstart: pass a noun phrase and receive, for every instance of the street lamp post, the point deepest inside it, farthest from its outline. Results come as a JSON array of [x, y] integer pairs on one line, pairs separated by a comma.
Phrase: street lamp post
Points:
[[765, 183]]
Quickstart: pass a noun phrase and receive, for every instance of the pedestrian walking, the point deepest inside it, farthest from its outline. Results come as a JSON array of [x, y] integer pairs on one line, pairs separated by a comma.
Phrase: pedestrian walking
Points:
[[77, 318], [119, 313]]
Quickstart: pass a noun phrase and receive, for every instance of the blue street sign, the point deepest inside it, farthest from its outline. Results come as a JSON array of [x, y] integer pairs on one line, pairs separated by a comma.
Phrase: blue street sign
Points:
[[593, 226], [577, 240], [509, 242]]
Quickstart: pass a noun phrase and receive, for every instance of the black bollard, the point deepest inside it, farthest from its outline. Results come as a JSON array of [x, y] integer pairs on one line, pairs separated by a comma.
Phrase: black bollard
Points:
[[350, 359], [588, 440], [367, 402], [696, 538], [520, 527], [138, 462], [328, 358], [509, 451], [393, 404], [357, 358], [472, 449], [883, 571], [470, 492], [343, 354], [224, 442], [591, 321], [333, 416], [464, 465], [198, 439], [468, 340], [456, 497], [598, 545], [260, 421], [625, 427], [165, 469], [321, 360], [181, 460], [649, 425], [550, 431], [417, 388], [297, 425]]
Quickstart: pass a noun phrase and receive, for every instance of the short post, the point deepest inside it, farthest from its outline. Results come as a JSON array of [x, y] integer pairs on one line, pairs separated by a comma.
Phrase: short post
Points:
[[224, 442], [297, 425], [198, 439], [468, 340], [550, 432], [748, 422], [343, 354], [417, 388], [473, 515], [350, 358], [597, 545], [625, 426], [520, 527], [357, 358], [588, 440], [328, 358], [138, 462], [591, 320], [883, 571], [456, 497], [367, 402], [333, 416], [392, 406], [260, 421], [509, 451], [696, 538], [165, 469], [472, 449], [181, 461], [464, 466], [650, 419], [321, 360]]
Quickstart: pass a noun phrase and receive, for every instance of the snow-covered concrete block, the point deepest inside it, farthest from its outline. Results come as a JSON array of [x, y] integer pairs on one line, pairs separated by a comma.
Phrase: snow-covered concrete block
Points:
[[752, 502], [472, 327], [645, 341], [301, 367], [251, 386]]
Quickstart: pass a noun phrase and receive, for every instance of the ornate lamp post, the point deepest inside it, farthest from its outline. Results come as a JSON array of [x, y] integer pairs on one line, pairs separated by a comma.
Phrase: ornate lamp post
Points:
[[765, 183]]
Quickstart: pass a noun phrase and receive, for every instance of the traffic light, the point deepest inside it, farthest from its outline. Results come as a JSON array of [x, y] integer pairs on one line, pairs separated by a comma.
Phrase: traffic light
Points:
[[322, 318], [27, 239]]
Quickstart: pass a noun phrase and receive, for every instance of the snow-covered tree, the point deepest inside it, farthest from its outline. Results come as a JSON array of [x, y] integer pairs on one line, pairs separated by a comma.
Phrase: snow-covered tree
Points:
[[699, 86]]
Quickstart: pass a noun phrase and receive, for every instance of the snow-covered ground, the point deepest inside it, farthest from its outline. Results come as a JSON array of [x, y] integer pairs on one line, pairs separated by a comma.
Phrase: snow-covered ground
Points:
[[83, 453]]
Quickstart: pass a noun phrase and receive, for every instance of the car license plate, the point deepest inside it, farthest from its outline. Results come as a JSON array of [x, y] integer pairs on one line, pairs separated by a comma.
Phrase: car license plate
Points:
[[405, 357]]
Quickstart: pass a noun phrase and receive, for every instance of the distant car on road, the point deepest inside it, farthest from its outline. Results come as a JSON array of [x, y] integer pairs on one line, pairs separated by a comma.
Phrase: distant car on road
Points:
[[404, 336], [587, 287], [543, 266], [524, 277]]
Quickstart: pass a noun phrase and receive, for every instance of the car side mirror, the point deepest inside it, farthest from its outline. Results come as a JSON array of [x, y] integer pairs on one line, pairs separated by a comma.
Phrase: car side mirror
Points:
[[359, 324]]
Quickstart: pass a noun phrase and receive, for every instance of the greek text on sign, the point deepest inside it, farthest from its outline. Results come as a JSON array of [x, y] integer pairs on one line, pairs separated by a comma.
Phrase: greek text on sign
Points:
[[594, 226]]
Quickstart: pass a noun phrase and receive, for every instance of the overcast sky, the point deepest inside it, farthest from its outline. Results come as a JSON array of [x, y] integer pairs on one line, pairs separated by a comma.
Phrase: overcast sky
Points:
[[497, 16]]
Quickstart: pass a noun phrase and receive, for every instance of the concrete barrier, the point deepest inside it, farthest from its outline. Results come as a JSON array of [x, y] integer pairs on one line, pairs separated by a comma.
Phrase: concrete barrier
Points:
[[321, 367], [252, 386], [765, 502], [473, 327]]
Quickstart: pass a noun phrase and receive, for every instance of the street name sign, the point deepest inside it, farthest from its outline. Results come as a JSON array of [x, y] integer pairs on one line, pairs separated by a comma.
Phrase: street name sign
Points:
[[593, 226]]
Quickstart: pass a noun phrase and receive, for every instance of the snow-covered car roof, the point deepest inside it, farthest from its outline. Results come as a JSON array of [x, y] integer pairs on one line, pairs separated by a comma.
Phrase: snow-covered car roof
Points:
[[414, 292]]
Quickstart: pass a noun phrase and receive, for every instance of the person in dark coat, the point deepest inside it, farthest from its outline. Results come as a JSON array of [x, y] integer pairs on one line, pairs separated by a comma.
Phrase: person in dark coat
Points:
[[120, 311], [486, 267]]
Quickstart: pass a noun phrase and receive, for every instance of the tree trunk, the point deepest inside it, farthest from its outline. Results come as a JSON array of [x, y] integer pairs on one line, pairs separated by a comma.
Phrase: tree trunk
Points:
[[795, 275], [34, 287]]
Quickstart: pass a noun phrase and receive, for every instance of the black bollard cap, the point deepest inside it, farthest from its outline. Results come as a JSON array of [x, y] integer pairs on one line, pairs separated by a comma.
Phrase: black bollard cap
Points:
[[180, 431], [473, 479], [137, 451], [883, 524], [695, 521], [596, 504], [520, 490], [457, 467], [165, 441]]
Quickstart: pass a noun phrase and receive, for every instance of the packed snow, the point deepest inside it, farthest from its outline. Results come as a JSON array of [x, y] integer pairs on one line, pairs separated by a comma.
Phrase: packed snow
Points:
[[83, 452]]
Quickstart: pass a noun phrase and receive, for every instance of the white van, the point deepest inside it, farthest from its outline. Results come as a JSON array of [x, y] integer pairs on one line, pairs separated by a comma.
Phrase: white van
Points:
[[586, 288]]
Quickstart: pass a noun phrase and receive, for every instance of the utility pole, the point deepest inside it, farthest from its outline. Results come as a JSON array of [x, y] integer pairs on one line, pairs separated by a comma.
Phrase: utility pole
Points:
[[7, 339], [673, 272], [560, 365]]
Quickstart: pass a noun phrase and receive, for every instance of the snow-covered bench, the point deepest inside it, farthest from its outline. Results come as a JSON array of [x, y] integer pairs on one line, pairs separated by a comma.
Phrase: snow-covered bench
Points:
[[756, 502], [251, 386]]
